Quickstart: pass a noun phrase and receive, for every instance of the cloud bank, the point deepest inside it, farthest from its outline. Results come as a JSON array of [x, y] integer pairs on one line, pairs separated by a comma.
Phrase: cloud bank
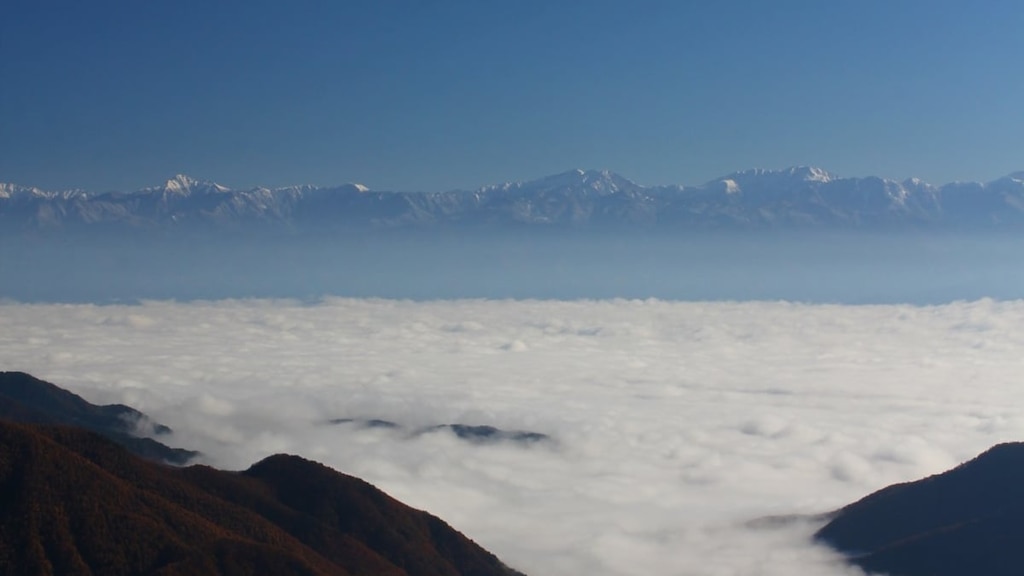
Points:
[[673, 424]]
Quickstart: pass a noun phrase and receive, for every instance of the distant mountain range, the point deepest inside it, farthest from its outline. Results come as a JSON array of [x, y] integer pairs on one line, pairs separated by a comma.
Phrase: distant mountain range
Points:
[[798, 197], [76, 500]]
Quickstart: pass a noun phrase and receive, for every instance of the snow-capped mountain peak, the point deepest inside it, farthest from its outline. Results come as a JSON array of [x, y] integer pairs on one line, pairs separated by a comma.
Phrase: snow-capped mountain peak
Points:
[[9, 190], [799, 196], [793, 173], [601, 181], [180, 181], [184, 184], [811, 174], [572, 177], [731, 187]]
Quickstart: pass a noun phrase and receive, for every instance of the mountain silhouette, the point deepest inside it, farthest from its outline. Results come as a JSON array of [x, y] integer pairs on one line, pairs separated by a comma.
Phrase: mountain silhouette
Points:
[[24, 398], [475, 433], [967, 521], [74, 502]]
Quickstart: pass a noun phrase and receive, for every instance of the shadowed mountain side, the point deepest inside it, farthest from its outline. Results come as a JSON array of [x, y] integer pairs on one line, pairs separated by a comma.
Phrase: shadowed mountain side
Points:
[[73, 502], [969, 520], [24, 398]]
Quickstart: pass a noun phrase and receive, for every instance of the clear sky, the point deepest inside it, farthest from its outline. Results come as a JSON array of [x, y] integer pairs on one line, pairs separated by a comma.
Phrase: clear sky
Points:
[[435, 95]]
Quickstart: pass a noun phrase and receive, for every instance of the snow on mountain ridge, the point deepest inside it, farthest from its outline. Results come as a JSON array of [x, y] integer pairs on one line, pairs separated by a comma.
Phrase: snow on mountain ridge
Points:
[[810, 173], [185, 185], [731, 187], [9, 190], [600, 181], [802, 173], [795, 196]]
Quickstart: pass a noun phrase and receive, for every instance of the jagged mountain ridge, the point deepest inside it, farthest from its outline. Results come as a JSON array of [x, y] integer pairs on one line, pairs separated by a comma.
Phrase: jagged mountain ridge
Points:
[[794, 197]]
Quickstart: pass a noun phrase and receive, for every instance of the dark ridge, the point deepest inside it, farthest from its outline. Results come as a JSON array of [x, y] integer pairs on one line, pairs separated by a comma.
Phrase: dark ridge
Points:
[[24, 398], [371, 423], [480, 434], [490, 433], [969, 520], [420, 542], [74, 502], [783, 520]]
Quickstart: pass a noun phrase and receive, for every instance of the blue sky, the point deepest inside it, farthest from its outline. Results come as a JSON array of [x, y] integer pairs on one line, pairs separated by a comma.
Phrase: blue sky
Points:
[[450, 94]]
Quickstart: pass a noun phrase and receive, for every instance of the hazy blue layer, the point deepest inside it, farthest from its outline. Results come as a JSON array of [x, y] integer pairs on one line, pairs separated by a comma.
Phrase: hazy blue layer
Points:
[[813, 268]]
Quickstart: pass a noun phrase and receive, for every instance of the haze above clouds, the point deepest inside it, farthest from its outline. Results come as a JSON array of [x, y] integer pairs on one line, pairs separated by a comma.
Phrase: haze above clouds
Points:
[[674, 424]]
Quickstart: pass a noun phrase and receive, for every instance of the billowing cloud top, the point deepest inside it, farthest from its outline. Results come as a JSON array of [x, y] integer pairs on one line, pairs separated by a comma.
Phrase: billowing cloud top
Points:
[[672, 424]]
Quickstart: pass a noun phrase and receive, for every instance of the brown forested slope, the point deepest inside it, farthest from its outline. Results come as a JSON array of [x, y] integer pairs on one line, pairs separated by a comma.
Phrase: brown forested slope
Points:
[[73, 502], [25, 398]]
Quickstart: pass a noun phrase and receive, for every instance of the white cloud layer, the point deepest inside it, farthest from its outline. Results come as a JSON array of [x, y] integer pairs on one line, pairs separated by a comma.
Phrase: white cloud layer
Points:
[[674, 423]]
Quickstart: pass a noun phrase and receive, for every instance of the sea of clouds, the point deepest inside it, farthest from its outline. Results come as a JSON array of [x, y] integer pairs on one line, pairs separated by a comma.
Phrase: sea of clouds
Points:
[[674, 425]]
